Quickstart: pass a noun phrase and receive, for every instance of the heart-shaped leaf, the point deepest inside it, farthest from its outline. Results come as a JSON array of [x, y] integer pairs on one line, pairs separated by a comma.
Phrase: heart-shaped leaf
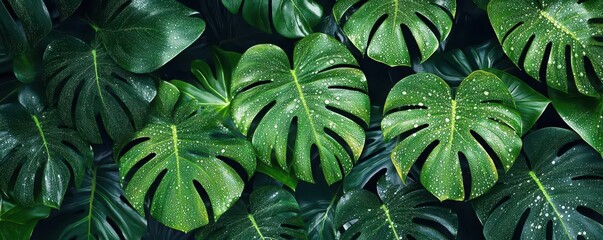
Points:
[[181, 147], [422, 110], [556, 185], [86, 82], [559, 37], [313, 99], [38, 153], [96, 210], [583, 114], [387, 45], [291, 18], [272, 213], [392, 214], [143, 35], [16, 222]]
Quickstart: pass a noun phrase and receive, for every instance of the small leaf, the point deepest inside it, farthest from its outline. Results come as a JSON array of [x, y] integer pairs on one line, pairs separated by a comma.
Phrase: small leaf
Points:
[[143, 35], [583, 114], [421, 109], [308, 96], [272, 213], [547, 187], [320, 218], [39, 152], [388, 44], [390, 215], [567, 30], [86, 82], [291, 18], [180, 147], [16, 222]]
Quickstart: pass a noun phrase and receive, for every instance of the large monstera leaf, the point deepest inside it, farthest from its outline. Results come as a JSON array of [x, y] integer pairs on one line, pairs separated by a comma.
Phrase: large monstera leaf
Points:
[[291, 18], [17, 222], [311, 96], [86, 82], [422, 110], [96, 209], [556, 185], [38, 154], [393, 214], [272, 213], [583, 114], [181, 147], [560, 36], [387, 44], [143, 35]]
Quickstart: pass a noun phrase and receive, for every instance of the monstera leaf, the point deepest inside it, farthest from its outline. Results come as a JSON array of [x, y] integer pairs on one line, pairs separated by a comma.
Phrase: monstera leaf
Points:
[[143, 35], [96, 210], [374, 159], [320, 219], [16, 222], [561, 37], [315, 96], [395, 214], [291, 18], [421, 109], [181, 148], [85, 82], [429, 22], [37, 153], [583, 114], [212, 90], [453, 66], [552, 190], [272, 213]]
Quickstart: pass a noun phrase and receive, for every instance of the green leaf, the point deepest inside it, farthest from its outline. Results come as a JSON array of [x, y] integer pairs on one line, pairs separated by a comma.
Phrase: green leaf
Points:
[[320, 218], [143, 35], [387, 44], [86, 82], [529, 103], [453, 66], [390, 215], [482, 4], [308, 97], [566, 29], [374, 159], [179, 147], [96, 211], [212, 88], [39, 153], [291, 18], [583, 114], [421, 108], [549, 185], [16, 222], [272, 213]]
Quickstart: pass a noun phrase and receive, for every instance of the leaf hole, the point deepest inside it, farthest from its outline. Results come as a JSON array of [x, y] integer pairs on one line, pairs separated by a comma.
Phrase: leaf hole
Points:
[[511, 30], [430, 24], [150, 194], [545, 62], [131, 145], [423, 156], [137, 166], [291, 138], [115, 228], [524, 52], [205, 198], [411, 44], [592, 75], [254, 85], [374, 28], [261, 114], [123, 107], [568, 146], [235, 165], [337, 66], [549, 230], [520, 224], [435, 226], [349, 116], [590, 213], [497, 162], [466, 173], [588, 177]]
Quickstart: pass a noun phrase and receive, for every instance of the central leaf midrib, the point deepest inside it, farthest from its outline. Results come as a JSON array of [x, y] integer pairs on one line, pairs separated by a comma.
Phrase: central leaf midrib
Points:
[[44, 142], [555, 23], [452, 122], [176, 154], [255, 225], [97, 78], [550, 202], [92, 192], [389, 221], [306, 108]]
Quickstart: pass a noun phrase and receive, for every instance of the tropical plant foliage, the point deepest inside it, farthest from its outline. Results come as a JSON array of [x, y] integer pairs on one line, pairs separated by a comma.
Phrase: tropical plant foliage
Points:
[[301, 119]]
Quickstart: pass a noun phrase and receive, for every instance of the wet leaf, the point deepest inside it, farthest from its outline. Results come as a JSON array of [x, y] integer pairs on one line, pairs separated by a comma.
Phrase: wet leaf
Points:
[[182, 146], [323, 90], [16, 222], [552, 186], [422, 110]]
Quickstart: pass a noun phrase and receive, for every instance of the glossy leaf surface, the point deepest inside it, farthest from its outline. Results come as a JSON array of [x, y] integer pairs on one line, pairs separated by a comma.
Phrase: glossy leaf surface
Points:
[[181, 147], [85, 82], [567, 33], [272, 213], [553, 186], [310, 95], [16, 222], [422, 109], [388, 44]]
